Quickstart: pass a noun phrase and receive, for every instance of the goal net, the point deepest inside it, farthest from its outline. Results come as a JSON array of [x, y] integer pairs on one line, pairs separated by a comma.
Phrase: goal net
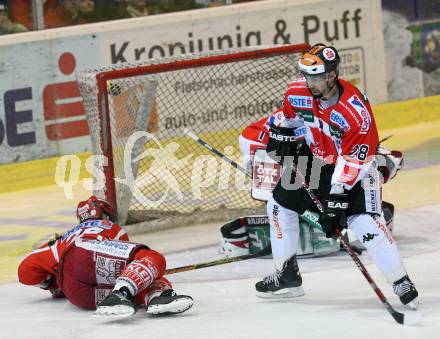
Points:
[[138, 114]]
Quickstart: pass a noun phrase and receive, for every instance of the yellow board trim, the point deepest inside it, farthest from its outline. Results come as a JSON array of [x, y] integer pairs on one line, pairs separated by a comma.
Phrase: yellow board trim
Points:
[[35, 173], [38, 173], [408, 112]]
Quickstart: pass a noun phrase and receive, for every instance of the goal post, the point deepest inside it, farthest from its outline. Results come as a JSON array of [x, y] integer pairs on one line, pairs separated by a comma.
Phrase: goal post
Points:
[[138, 114]]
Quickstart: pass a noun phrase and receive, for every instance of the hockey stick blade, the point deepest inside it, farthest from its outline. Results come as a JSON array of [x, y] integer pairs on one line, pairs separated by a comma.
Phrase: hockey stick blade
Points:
[[399, 317], [408, 318], [262, 253]]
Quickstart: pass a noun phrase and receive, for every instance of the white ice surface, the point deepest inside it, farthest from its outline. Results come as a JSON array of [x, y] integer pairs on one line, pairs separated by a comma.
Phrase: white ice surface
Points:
[[339, 303]]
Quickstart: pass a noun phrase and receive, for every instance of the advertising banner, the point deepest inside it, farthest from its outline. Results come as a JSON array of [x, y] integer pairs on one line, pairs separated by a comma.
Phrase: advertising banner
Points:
[[41, 112]]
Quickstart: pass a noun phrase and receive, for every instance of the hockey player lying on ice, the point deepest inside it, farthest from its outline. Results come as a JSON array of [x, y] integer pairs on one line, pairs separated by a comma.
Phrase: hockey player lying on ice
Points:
[[94, 266], [340, 136]]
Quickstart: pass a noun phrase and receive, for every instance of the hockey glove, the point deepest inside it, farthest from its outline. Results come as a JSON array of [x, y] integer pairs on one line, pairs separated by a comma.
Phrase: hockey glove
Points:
[[281, 143], [50, 285], [334, 215]]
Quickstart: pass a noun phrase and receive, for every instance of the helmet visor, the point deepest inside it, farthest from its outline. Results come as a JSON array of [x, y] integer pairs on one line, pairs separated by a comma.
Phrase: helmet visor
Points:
[[315, 79]]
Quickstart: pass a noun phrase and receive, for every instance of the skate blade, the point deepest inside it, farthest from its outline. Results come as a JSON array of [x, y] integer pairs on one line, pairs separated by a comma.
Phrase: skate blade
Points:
[[174, 307], [413, 305], [114, 311], [412, 318], [293, 292]]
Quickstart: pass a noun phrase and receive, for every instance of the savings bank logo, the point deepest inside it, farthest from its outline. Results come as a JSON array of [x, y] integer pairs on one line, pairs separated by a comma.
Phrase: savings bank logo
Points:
[[329, 54], [63, 106]]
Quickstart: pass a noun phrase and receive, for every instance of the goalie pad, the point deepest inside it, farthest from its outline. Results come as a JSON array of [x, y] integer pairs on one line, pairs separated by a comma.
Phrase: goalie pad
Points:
[[251, 234], [235, 239], [389, 162]]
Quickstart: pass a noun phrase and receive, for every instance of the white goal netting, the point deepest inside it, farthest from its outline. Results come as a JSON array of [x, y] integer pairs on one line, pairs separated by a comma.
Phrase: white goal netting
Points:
[[138, 114]]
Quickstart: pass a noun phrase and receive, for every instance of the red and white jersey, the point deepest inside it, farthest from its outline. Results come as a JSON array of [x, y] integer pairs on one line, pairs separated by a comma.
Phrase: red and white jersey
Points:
[[38, 265], [259, 130], [344, 134]]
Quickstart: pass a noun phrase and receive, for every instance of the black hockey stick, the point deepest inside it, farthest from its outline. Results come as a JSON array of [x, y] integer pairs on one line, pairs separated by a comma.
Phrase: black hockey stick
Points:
[[385, 139], [412, 318], [234, 164], [402, 318], [225, 157], [262, 253], [216, 152]]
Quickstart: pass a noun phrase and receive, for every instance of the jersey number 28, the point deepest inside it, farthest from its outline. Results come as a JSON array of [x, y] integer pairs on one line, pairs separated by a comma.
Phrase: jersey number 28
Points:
[[360, 152]]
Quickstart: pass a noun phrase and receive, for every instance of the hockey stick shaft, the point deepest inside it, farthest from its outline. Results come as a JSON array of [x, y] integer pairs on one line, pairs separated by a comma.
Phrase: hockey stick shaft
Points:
[[216, 152], [222, 261], [263, 252], [399, 317], [224, 157], [385, 139]]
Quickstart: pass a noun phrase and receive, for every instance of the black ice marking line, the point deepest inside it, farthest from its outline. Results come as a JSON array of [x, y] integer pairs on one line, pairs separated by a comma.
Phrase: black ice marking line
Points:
[[407, 318]]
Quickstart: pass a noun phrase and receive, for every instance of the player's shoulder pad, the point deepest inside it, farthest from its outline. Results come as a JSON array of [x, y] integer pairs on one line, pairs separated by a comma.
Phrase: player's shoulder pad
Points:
[[299, 96], [107, 224], [276, 118], [298, 84], [350, 90]]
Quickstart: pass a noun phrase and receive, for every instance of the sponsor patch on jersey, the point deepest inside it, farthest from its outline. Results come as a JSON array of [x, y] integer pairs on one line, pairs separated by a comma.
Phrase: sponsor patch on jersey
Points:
[[339, 120], [360, 108], [301, 101], [106, 224], [306, 114], [108, 269], [300, 132], [338, 124], [115, 248]]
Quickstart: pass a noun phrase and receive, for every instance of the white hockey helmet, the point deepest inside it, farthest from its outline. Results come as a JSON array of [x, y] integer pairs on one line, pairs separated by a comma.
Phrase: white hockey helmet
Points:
[[319, 59]]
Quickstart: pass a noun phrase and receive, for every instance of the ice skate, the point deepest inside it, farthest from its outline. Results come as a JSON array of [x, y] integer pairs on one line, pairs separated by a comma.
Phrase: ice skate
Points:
[[282, 284], [116, 303], [407, 293], [169, 302]]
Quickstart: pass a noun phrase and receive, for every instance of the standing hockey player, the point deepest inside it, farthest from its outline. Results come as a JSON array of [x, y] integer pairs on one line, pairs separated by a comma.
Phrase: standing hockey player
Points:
[[236, 234], [94, 266], [341, 140]]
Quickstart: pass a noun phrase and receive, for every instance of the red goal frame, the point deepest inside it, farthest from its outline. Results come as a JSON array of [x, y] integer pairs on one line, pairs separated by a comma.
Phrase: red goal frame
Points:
[[103, 101]]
